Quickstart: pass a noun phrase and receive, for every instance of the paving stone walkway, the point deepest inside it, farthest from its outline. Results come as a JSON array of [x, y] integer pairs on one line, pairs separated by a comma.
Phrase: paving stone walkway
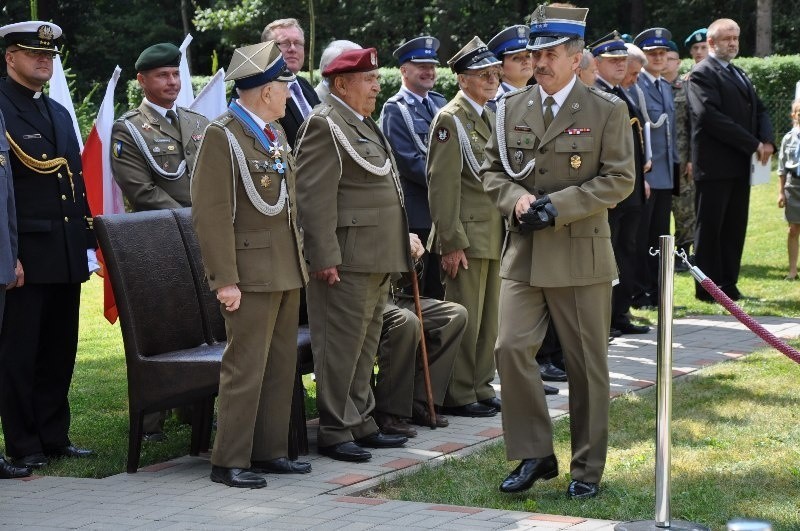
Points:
[[178, 494]]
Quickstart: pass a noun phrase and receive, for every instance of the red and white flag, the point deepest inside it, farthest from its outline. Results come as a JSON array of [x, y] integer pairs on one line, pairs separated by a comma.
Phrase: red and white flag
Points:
[[103, 194]]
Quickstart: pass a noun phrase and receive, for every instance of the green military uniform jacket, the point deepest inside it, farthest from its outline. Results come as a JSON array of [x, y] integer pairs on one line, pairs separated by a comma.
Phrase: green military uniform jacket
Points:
[[352, 217], [463, 215], [583, 174], [239, 244], [148, 175]]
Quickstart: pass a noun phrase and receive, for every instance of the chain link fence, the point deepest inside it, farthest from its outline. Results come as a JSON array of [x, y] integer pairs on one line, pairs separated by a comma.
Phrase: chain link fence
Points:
[[779, 109]]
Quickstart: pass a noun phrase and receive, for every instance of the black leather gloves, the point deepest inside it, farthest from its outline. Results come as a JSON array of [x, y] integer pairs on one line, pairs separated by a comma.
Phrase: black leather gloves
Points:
[[541, 214]]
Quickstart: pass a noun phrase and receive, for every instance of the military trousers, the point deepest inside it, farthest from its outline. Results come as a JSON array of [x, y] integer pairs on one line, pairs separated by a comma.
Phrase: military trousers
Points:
[[478, 290], [400, 376], [345, 323], [581, 315], [256, 379]]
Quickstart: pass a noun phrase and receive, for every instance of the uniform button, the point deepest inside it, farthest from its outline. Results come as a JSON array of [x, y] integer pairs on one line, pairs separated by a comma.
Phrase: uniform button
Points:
[[60, 176], [44, 156], [574, 145], [63, 197], [246, 243], [471, 217], [542, 171], [519, 142], [539, 192], [210, 277], [354, 221], [542, 150], [188, 152], [66, 219], [596, 230]]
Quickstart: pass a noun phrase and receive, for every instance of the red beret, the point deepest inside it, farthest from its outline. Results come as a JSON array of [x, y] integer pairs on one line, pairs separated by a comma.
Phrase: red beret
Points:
[[353, 61]]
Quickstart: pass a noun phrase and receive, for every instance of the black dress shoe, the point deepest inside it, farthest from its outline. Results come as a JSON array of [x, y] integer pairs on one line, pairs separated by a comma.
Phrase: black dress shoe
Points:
[[393, 425], [551, 373], [475, 409], [68, 451], [550, 390], [9, 471], [421, 416], [345, 451], [644, 302], [237, 477], [30, 461], [614, 332], [528, 471], [281, 465], [492, 402], [382, 440], [630, 328], [579, 490]]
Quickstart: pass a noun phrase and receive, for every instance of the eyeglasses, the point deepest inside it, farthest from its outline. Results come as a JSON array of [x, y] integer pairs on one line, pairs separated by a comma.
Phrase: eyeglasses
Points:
[[487, 75], [285, 45]]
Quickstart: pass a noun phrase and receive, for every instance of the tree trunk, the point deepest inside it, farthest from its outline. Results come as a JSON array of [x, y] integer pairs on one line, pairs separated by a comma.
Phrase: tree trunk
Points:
[[763, 28], [637, 17], [186, 18]]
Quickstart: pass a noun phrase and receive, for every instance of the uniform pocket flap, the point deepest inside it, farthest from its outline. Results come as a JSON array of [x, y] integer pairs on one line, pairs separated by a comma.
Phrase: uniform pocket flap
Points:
[[255, 239], [34, 225], [569, 144], [476, 214], [520, 140], [589, 229], [358, 217]]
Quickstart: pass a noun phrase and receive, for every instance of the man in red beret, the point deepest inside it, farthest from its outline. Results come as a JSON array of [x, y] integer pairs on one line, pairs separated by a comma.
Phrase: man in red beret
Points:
[[350, 206]]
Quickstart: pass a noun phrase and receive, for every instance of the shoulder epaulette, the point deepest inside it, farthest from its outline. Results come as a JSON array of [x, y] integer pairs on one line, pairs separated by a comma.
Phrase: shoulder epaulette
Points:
[[223, 120], [604, 95], [324, 110], [129, 114], [187, 109], [394, 99], [434, 93]]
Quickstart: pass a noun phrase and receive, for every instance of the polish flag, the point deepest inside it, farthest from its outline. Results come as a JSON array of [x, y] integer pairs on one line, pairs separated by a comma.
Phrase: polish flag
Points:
[[103, 194]]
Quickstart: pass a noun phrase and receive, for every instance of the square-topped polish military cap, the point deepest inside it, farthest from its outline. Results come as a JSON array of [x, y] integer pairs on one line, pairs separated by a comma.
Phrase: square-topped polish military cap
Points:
[[418, 50], [552, 26], [474, 56], [256, 65], [32, 35], [509, 41], [610, 45], [653, 38]]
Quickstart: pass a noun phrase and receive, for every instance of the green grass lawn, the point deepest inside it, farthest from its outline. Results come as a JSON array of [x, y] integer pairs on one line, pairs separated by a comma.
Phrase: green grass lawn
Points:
[[99, 389]]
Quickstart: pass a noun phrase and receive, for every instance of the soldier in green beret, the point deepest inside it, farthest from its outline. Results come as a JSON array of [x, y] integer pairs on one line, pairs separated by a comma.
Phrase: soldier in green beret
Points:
[[153, 147]]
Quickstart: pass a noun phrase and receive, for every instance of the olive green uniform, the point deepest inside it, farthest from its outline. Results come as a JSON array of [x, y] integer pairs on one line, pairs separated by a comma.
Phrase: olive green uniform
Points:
[[351, 209], [261, 254], [585, 162], [465, 218], [683, 204]]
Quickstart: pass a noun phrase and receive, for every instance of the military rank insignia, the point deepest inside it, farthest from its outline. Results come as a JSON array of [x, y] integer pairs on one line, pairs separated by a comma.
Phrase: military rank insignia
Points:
[[116, 149], [442, 135], [575, 161]]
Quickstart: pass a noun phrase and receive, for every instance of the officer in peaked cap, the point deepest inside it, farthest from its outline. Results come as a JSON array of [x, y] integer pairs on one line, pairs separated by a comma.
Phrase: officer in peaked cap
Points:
[[697, 43], [344, 160], [243, 211], [39, 337], [467, 229], [656, 101], [406, 120], [153, 147], [511, 47], [560, 157]]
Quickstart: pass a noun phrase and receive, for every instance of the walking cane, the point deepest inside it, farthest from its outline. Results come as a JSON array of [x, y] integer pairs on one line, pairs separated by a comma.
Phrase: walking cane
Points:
[[425, 371]]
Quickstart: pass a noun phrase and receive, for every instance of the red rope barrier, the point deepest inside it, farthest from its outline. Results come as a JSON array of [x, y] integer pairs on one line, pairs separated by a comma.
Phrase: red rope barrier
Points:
[[742, 316]]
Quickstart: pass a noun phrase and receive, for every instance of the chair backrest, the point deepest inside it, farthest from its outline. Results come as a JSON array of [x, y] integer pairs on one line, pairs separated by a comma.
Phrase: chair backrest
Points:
[[152, 280], [213, 322]]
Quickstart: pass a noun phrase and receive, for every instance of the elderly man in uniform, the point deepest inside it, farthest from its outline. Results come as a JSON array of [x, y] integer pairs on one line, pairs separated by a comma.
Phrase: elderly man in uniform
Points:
[[697, 43], [291, 40], [154, 146], [355, 235], [405, 120], [468, 229], [612, 58], [560, 158], [39, 337], [655, 101], [510, 46], [400, 385], [331, 52], [242, 195], [10, 274]]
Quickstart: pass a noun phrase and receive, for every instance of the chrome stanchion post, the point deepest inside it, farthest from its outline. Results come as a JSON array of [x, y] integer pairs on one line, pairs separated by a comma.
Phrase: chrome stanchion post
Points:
[[664, 403]]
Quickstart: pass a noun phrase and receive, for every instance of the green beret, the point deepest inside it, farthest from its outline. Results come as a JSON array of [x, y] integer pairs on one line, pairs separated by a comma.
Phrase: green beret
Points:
[[158, 55]]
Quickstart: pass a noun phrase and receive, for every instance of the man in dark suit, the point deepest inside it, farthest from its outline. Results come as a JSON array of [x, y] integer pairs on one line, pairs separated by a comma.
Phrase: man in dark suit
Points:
[[729, 124], [39, 337], [612, 58], [291, 41], [406, 120], [10, 273]]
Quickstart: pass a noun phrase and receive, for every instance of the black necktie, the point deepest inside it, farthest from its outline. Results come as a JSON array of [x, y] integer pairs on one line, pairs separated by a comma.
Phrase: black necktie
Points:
[[548, 111], [427, 104], [735, 73]]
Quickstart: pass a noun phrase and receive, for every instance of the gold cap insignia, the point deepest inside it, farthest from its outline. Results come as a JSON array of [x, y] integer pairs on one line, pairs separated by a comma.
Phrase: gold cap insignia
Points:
[[46, 32]]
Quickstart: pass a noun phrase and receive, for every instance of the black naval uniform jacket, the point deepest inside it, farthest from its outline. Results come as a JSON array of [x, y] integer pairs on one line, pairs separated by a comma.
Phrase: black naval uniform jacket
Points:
[[54, 222]]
